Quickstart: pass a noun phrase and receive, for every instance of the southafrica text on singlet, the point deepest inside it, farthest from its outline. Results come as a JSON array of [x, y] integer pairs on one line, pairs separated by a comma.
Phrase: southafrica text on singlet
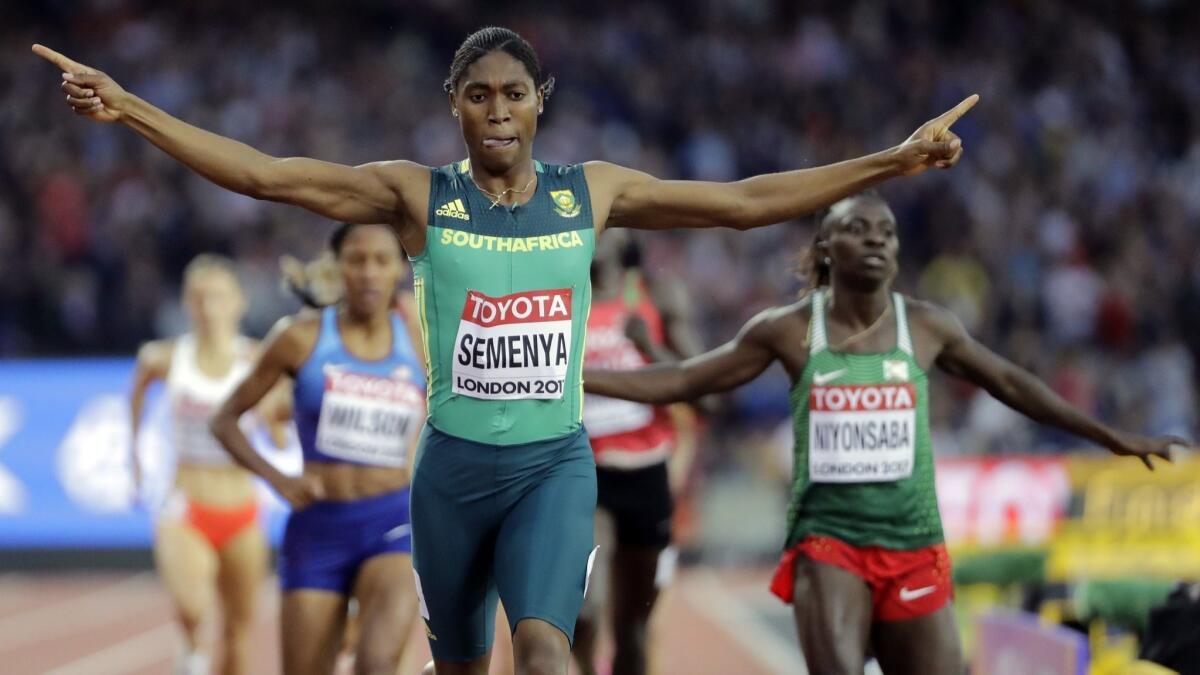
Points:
[[194, 397], [503, 295], [863, 458], [624, 434], [359, 411]]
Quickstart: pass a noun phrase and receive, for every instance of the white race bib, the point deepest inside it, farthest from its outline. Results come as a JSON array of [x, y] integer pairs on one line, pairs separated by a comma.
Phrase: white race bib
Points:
[[861, 433], [605, 416], [514, 347], [368, 419]]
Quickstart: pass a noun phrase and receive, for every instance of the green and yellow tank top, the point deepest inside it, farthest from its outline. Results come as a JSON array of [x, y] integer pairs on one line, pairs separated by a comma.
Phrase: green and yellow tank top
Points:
[[863, 457], [503, 294]]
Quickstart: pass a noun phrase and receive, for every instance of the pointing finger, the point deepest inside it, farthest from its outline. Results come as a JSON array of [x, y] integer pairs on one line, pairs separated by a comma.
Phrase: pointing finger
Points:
[[59, 60], [951, 116]]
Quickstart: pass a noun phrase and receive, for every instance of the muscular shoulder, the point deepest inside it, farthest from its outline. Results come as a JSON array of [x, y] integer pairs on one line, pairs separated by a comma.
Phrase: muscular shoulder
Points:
[[606, 174], [409, 180], [934, 320], [400, 173], [774, 326], [154, 357], [293, 337], [606, 180]]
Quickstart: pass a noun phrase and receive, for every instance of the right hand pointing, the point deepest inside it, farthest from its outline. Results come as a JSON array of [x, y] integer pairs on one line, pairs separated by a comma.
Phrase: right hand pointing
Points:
[[90, 93]]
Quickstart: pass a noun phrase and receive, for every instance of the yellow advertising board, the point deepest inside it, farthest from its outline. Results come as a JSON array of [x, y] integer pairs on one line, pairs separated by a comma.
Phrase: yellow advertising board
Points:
[[1130, 522]]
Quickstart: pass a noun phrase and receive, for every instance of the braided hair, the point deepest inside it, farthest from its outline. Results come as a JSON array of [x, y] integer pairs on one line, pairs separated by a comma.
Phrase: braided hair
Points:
[[496, 39]]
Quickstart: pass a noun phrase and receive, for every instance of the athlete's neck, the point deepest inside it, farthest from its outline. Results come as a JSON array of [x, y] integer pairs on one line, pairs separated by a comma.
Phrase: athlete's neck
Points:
[[214, 343], [370, 323], [514, 185], [857, 308]]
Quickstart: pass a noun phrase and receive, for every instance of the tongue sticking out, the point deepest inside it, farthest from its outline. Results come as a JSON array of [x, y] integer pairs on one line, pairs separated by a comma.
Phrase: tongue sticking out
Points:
[[498, 142]]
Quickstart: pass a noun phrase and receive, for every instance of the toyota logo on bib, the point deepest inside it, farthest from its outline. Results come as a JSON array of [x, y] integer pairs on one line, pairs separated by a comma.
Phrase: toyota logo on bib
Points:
[[513, 347]]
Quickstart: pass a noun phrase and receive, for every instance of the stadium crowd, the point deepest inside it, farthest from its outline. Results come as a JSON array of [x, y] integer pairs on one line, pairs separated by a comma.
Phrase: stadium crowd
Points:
[[1069, 238]]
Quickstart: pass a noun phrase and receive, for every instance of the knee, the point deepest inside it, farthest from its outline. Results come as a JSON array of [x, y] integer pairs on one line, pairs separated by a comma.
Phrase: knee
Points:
[[236, 634], [191, 615], [377, 668], [542, 655], [378, 660]]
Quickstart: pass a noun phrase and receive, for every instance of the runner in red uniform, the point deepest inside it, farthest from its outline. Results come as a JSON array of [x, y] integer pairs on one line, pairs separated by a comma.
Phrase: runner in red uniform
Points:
[[632, 443]]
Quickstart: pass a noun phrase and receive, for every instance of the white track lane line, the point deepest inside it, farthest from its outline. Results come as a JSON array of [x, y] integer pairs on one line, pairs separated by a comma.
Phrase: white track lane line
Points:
[[708, 595], [140, 651], [98, 607]]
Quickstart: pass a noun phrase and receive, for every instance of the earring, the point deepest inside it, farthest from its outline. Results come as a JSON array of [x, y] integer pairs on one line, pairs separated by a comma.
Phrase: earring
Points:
[[454, 112], [828, 261]]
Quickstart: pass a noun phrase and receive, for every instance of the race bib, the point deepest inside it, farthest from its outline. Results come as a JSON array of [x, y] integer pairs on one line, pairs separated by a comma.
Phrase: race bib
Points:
[[609, 349], [861, 433], [368, 419], [513, 347], [605, 416]]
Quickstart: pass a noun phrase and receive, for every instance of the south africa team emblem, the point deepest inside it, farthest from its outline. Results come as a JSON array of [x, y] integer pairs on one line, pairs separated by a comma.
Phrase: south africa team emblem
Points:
[[565, 203]]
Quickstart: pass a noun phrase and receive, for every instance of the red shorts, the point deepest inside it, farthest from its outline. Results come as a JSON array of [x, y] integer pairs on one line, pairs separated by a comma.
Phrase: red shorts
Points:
[[218, 524], [904, 584]]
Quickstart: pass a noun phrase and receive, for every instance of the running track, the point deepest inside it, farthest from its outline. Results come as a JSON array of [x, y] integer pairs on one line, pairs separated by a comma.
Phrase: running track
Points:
[[119, 624]]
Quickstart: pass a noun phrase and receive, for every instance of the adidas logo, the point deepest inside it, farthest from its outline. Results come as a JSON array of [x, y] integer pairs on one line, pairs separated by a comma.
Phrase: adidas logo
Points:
[[454, 209]]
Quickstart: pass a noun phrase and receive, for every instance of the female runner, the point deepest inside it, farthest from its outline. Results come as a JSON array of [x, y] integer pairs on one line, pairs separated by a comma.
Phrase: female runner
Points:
[[359, 400], [864, 561], [207, 540]]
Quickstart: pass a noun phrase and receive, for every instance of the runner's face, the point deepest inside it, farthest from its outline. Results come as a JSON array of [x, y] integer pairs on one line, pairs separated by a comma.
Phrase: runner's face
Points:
[[213, 300], [370, 266], [498, 106], [862, 240]]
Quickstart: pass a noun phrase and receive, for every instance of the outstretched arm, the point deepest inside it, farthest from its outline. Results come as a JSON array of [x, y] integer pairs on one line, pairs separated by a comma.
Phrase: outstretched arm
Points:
[[1020, 390], [724, 368], [272, 364], [370, 193], [628, 198]]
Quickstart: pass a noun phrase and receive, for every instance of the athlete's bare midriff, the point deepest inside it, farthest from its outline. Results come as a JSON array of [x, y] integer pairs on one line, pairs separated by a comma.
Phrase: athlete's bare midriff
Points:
[[219, 486], [350, 482]]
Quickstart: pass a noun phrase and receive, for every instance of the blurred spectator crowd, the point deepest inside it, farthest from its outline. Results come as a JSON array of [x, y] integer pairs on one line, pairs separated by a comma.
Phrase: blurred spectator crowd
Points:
[[1068, 239]]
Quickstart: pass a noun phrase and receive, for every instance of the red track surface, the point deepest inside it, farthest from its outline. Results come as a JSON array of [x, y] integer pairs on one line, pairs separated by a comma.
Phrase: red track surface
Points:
[[120, 624]]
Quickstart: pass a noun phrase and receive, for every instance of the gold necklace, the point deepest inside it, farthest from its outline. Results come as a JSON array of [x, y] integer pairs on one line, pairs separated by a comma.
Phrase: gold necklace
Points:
[[497, 197], [862, 333]]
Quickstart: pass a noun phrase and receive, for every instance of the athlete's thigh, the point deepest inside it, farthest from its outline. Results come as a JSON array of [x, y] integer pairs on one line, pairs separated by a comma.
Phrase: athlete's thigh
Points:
[[452, 564], [387, 603], [544, 546], [926, 645], [243, 566], [833, 610], [187, 565], [311, 623]]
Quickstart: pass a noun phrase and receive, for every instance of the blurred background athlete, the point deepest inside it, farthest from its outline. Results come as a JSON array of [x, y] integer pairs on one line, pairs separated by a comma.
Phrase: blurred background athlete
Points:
[[359, 402], [640, 459], [207, 541]]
